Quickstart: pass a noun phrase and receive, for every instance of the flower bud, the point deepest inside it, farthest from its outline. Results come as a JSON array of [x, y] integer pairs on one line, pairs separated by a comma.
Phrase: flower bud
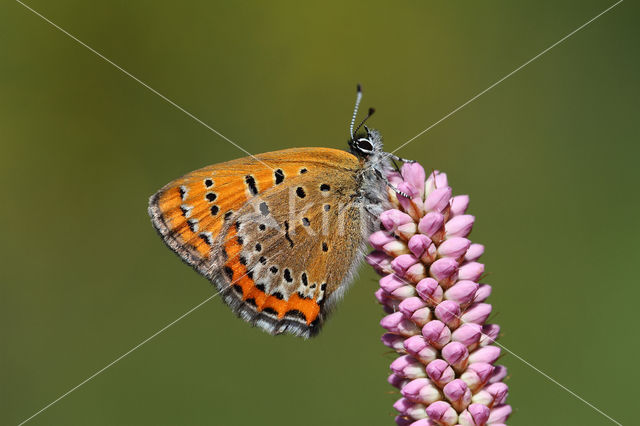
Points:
[[459, 204], [459, 226], [430, 291], [462, 292], [471, 271], [436, 333], [442, 413], [431, 224], [379, 239], [474, 252], [458, 394], [440, 372], [449, 313], [457, 355], [454, 247]]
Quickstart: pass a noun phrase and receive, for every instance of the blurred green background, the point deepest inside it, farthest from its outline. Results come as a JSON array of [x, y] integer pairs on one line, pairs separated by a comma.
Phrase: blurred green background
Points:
[[549, 158]]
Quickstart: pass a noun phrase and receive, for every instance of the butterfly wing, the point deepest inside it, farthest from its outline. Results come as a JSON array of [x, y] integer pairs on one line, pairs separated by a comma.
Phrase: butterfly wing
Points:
[[280, 241]]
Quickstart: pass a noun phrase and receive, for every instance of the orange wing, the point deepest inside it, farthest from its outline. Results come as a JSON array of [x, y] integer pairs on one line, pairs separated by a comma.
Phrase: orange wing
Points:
[[194, 215]]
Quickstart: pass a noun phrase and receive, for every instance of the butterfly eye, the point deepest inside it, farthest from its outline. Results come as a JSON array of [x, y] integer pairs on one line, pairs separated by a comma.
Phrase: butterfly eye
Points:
[[365, 145]]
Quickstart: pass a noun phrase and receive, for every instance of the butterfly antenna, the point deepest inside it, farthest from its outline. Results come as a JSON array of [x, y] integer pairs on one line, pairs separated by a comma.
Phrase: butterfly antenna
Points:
[[369, 114], [355, 110]]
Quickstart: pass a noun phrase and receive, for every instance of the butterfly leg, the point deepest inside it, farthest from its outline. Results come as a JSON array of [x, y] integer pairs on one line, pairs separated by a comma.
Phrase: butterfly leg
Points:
[[393, 188]]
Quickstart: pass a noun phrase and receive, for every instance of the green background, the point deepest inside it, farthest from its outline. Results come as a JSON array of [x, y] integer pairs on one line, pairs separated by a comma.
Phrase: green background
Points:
[[549, 158]]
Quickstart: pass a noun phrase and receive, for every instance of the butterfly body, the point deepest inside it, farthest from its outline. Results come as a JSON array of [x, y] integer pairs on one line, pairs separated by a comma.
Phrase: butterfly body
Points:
[[280, 234]]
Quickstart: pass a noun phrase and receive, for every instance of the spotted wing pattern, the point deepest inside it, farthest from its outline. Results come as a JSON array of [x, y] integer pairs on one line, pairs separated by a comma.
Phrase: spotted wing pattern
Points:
[[277, 241]]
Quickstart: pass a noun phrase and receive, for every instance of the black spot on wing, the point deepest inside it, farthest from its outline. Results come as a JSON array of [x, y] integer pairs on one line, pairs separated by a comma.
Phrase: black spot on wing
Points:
[[228, 272], [295, 314], [286, 233], [251, 184], [278, 176], [287, 276], [264, 209], [214, 210], [300, 192], [325, 187]]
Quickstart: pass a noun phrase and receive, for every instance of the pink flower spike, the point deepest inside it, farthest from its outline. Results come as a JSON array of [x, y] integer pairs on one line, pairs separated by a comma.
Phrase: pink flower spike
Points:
[[467, 334], [477, 313], [403, 262], [499, 414], [474, 252], [414, 174], [435, 307], [456, 354], [459, 226], [430, 291], [462, 292], [458, 394], [459, 204], [449, 313], [471, 271], [454, 247], [391, 219], [445, 271], [442, 413], [438, 199], [431, 224], [436, 333], [379, 239]]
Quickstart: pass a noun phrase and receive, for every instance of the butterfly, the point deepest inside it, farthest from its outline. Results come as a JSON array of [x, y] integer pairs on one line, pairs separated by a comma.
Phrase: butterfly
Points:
[[280, 234]]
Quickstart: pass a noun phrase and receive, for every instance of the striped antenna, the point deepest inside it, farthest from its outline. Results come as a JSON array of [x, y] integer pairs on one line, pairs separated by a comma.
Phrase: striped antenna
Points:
[[355, 110]]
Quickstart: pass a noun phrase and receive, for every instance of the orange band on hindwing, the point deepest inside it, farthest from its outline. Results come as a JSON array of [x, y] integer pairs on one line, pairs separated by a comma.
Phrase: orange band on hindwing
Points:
[[241, 280]]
